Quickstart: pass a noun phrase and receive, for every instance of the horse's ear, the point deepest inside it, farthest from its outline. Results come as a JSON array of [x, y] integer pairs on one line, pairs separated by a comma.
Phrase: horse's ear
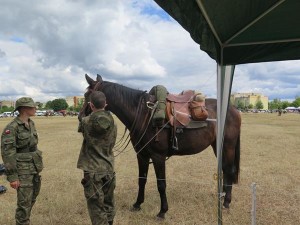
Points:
[[99, 78], [89, 80]]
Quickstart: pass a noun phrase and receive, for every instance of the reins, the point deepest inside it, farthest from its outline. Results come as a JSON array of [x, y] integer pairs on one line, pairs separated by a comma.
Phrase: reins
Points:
[[131, 130], [144, 122], [133, 127], [120, 142]]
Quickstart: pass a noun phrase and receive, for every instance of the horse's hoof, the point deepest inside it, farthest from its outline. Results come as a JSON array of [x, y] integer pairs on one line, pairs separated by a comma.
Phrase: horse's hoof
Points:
[[135, 208], [161, 216], [226, 205]]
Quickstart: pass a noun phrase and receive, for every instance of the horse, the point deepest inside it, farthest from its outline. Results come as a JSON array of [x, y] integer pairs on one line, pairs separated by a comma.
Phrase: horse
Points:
[[130, 106]]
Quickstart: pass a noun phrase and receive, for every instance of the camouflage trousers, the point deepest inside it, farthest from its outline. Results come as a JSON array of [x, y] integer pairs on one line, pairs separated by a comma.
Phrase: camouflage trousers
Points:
[[30, 185], [99, 194]]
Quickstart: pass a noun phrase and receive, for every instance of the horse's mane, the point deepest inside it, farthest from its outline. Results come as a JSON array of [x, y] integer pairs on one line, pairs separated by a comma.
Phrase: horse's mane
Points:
[[118, 91]]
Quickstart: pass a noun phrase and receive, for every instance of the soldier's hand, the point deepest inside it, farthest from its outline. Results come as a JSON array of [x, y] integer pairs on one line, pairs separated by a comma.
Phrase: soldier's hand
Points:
[[15, 184]]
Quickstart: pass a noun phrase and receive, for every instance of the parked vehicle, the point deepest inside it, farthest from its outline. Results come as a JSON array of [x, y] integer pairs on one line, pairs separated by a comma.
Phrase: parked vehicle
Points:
[[6, 114]]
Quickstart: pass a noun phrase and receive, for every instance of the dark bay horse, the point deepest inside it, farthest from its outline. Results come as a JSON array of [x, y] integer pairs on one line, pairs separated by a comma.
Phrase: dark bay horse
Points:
[[129, 105]]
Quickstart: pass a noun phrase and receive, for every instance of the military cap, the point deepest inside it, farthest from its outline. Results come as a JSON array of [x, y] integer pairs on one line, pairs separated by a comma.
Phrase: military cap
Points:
[[25, 101]]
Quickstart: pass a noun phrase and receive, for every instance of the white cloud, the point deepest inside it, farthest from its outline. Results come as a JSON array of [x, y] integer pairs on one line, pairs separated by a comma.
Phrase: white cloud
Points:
[[46, 47]]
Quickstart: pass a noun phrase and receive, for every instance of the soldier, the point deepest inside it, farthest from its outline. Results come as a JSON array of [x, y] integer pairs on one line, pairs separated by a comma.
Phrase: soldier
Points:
[[96, 159], [22, 159]]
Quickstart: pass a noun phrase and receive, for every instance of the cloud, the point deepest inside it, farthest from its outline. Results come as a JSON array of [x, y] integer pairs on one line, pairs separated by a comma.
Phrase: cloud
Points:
[[2, 54], [274, 79], [47, 47]]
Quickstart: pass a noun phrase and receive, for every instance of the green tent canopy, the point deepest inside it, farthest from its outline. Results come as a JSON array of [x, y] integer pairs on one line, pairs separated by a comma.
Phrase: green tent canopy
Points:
[[242, 31]]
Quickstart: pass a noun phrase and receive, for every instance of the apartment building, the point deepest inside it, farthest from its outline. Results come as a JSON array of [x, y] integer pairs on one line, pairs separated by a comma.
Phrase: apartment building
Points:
[[249, 98]]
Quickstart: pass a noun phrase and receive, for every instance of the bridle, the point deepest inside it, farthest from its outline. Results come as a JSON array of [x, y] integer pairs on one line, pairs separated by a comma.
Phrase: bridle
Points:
[[85, 104]]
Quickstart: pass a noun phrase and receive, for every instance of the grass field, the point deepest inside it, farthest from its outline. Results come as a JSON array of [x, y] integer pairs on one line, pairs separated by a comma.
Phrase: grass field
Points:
[[270, 157]]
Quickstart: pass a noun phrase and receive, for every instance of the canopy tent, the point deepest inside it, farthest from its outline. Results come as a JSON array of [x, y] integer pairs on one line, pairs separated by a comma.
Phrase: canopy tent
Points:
[[235, 32]]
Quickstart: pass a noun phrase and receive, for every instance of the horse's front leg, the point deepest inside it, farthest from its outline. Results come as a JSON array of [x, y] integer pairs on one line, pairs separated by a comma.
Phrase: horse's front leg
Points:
[[143, 163], [159, 163]]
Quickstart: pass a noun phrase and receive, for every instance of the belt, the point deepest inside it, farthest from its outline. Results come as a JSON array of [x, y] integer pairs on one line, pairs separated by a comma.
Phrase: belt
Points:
[[27, 149]]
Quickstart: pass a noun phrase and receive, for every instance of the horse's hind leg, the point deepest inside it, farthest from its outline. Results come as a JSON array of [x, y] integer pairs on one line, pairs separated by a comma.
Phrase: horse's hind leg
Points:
[[229, 174], [143, 163], [227, 189]]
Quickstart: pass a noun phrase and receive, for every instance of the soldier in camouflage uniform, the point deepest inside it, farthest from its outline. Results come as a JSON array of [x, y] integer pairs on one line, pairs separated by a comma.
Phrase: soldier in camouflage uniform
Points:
[[22, 159], [96, 159]]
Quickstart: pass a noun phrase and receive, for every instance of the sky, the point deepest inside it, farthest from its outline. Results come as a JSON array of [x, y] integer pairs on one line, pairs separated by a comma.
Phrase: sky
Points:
[[46, 48]]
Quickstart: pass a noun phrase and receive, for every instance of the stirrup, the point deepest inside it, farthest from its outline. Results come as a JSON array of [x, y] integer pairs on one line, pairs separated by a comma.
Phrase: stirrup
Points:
[[175, 144]]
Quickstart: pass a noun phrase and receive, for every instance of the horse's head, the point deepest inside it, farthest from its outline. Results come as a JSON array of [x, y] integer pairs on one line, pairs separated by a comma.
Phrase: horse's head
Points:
[[94, 85]]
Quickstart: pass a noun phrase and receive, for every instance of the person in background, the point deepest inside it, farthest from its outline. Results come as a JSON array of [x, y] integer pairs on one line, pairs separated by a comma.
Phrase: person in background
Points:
[[22, 159], [96, 159]]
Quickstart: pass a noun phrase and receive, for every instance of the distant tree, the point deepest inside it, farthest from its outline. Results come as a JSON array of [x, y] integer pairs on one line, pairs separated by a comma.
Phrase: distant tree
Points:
[[259, 105], [296, 102], [285, 104], [7, 109], [49, 105], [275, 104], [250, 106], [240, 105], [39, 105], [59, 104]]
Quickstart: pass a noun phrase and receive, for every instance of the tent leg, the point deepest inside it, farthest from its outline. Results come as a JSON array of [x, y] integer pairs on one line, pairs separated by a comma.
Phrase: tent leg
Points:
[[224, 83]]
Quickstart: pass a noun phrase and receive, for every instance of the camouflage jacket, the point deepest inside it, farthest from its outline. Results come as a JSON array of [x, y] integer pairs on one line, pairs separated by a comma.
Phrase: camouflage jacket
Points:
[[19, 149], [99, 133]]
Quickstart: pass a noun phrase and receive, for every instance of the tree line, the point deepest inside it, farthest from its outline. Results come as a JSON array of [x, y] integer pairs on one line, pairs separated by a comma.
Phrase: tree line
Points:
[[61, 104], [275, 104], [278, 104], [56, 105]]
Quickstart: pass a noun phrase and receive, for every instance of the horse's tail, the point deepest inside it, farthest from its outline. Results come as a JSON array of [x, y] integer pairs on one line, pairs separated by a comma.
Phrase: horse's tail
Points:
[[237, 160]]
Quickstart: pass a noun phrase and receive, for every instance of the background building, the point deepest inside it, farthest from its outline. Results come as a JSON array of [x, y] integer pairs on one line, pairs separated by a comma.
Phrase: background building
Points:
[[247, 99], [74, 100], [7, 103]]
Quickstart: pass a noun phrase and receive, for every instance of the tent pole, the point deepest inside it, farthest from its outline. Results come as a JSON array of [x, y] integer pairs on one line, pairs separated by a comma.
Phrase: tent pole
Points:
[[224, 83]]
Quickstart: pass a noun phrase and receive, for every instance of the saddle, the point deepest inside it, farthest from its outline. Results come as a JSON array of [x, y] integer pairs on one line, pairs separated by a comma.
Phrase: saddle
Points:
[[184, 109]]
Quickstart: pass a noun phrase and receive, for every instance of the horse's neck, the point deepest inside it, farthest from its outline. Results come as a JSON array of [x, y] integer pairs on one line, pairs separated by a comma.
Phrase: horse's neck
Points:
[[122, 107]]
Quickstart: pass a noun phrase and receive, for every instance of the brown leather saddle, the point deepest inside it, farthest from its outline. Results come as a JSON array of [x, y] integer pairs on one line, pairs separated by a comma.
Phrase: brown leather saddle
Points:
[[178, 114], [178, 110]]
